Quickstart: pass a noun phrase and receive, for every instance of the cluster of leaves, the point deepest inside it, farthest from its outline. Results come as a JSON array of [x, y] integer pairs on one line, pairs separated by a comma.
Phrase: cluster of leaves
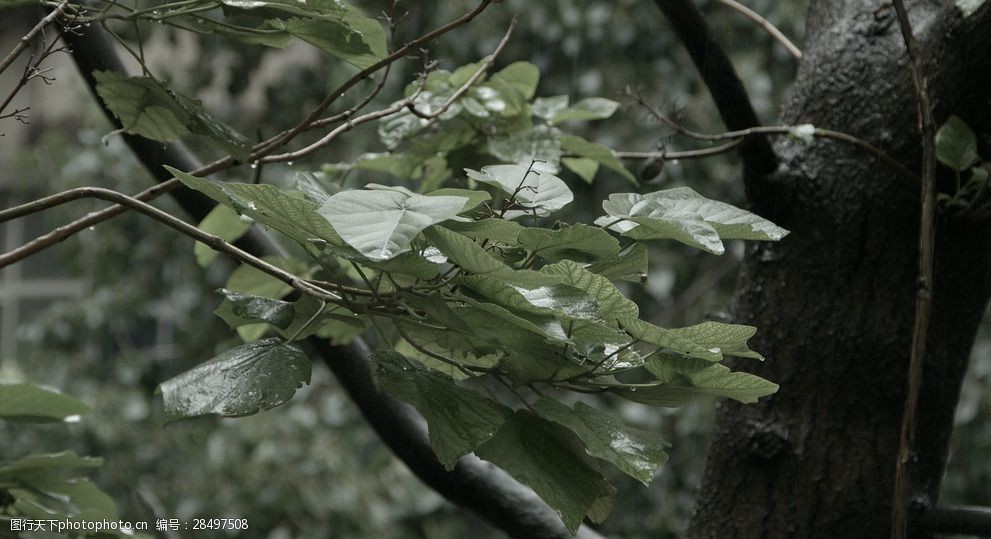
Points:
[[489, 314], [956, 147], [48, 486]]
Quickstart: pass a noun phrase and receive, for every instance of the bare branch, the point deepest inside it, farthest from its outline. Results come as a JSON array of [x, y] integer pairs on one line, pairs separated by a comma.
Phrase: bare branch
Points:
[[25, 41], [766, 25], [923, 297]]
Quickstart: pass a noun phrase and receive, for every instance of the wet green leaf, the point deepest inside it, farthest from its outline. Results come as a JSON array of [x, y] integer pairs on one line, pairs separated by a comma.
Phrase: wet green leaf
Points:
[[701, 376], [956, 144], [592, 108], [578, 242], [630, 266], [239, 309], [552, 461], [242, 381], [462, 251], [596, 152], [611, 302], [223, 222], [537, 192]]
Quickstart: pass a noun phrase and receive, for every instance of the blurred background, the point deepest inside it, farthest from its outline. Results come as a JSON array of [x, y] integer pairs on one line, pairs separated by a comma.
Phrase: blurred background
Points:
[[112, 312]]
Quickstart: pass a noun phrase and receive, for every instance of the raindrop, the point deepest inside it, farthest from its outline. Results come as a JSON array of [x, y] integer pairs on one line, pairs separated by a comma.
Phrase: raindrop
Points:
[[674, 162], [91, 228], [289, 163], [253, 165]]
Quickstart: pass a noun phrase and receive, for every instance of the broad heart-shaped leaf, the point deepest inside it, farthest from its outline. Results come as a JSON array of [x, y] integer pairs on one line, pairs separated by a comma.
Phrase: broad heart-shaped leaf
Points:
[[242, 381], [294, 217], [630, 266], [578, 242], [969, 7], [380, 224], [462, 251], [551, 460], [223, 222], [956, 144], [708, 340], [635, 452], [28, 402], [147, 109], [459, 419], [597, 152], [684, 215], [592, 108], [239, 309], [612, 303], [539, 193], [541, 143], [701, 376]]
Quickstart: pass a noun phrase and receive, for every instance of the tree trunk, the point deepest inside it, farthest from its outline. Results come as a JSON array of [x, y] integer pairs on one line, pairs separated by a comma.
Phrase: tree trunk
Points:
[[834, 301]]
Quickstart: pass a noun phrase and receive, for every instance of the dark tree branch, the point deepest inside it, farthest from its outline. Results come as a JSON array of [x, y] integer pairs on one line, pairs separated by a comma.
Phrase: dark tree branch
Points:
[[962, 520], [473, 484], [723, 83]]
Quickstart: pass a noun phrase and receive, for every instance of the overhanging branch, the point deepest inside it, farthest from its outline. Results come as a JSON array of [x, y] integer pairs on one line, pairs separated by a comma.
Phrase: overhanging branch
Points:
[[473, 484]]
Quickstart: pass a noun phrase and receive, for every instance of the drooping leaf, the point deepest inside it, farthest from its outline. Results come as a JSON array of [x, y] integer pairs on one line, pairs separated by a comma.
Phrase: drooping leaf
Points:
[[635, 452], [239, 309], [541, 143], [578, 242], [706, 377], [630, 266], [223, 222], [381, 223], [297, 218], [956, 144], [459, 419], [242, 381], [611, 302], [596, 152], [592, 108], [708, 340], [537, 192], [462, 251], [28, 402], [684, 215], [552, 461], [584, 168]]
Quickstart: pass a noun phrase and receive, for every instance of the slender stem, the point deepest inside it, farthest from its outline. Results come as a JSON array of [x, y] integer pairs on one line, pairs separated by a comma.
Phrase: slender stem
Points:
[[766, 25], [923, 298]]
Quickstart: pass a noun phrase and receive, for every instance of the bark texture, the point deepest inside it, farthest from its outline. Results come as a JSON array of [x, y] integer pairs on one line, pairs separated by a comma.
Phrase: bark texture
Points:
[[834, 300]]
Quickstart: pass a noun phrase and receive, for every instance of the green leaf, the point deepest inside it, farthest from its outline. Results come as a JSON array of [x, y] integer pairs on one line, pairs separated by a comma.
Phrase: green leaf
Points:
[[242, 381], [584, 168], [44, 495], [462, 251], [63, 460], [956, 144], [547, 107], [701, 376], [332, 320], [552, 461], [684, 215], [541, 143], [248, 280], [578, 242], [539, 193], [969, 7], [523, 76], [30, 403], [630, 266], [223, 222], [665, 396], [458, 419], [145, 108], [611, 302], [297, 218], [499, 230], [474, 197], [555, 300], [380, 224], [708, 340], [592, 108], [239, 309], [635, 452], [597, 152]]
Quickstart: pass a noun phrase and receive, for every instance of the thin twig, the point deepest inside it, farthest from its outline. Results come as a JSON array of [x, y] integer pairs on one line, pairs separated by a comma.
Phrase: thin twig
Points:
[[686, 154], [214, 242], [817, 132], [26, 40], [766, 25], [923, 297]]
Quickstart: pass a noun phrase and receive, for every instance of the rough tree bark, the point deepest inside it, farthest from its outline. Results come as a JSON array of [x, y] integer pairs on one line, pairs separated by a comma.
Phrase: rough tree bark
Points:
[[834, 300]]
